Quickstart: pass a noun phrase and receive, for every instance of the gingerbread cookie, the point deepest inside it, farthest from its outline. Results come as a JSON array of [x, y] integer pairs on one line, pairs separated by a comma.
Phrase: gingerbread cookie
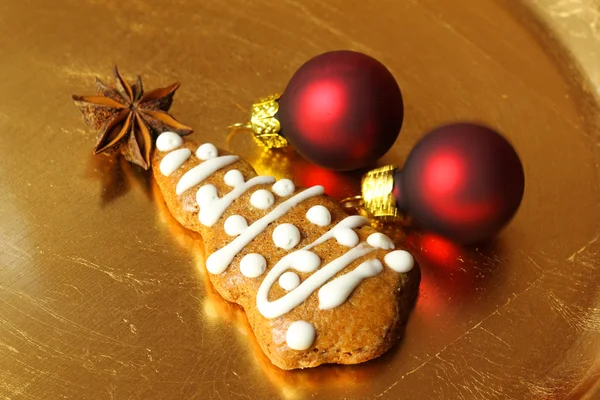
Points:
[[317, 285]]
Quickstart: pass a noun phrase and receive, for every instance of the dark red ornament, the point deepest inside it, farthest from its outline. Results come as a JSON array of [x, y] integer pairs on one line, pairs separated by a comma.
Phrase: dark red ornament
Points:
[[341, 110], [463, 181]]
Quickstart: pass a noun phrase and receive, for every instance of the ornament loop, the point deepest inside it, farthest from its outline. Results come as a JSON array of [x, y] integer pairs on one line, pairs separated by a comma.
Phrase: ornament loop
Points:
[[240, 126], [356, 202], [235, 129]]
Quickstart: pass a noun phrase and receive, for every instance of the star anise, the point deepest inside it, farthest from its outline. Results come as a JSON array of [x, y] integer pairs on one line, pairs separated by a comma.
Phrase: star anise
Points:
[[128, 120]]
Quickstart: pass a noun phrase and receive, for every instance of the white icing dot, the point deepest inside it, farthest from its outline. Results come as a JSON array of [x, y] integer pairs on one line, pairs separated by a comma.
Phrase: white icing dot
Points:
[[207, 151], [233, 178], [206, 195], [289, 281], [380, 241], [172, 161], [304, 261], [262, 199], [284, 187], [399, 260], [253, 265], [235, 225], [286, 236], [346, 237], [300, 335], [168, 141], [319, 215]]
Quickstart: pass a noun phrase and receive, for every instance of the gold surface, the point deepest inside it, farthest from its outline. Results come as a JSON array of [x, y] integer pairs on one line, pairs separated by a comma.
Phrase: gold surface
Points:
[[103, 296]]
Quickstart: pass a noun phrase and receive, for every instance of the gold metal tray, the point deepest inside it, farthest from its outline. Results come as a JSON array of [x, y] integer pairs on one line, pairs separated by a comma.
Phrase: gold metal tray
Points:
[[103, 295]]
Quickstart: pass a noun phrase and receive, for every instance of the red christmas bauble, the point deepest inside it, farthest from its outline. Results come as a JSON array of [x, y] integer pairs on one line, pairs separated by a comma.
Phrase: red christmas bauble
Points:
[[341, 110], [463, 181]]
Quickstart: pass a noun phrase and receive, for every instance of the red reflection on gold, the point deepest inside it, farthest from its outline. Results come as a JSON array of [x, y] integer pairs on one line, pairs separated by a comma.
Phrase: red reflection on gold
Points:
[[450, 273], [440, 251], [336, 184]]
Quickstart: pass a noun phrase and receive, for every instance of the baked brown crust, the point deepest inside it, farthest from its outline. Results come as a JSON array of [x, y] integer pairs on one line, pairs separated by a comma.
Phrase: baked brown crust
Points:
[[365, 326]]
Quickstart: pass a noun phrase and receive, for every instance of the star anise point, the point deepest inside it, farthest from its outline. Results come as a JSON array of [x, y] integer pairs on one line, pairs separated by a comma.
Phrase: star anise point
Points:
[[128, 120]]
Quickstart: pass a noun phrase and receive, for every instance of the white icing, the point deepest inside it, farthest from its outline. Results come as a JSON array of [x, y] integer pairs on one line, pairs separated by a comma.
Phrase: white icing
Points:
[[234, 178], [200, 172], [352, 222], [380, 241], [284, 188], [253, 265], [172, 161], [319, 215], [218, 261], [262, 199], [168, 141], [211, 209], [346, 237], [206, 194], [235, 225], [300, 335], [334, 293], [286, 236], [289, 281], [297, 260], [399, 260], [207, 151]]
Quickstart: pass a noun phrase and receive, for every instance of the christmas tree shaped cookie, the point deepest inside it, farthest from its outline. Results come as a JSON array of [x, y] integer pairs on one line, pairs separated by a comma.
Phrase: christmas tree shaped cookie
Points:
[[317, 285]]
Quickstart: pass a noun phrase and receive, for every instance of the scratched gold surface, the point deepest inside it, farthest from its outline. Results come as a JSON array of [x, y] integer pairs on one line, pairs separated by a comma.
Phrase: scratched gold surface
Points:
[[103, 295]]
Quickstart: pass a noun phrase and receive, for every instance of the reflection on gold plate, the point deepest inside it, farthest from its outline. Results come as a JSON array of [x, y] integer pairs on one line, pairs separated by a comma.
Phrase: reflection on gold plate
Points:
[[103, 295]]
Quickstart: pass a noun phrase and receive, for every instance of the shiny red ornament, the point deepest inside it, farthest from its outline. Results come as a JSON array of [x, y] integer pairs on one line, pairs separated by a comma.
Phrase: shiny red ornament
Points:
[[463, 181], [341, 110]]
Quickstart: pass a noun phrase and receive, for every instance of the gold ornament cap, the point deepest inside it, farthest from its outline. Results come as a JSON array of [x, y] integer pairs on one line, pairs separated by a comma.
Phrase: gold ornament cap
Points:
[[264, 125], [377, 197]]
